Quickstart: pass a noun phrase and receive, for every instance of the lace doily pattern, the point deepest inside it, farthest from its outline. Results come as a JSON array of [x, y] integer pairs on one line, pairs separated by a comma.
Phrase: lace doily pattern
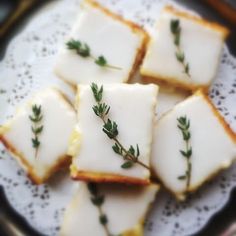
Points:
[[28, 66]]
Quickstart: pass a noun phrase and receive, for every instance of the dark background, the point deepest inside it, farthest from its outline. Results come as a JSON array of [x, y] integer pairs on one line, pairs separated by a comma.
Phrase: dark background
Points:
[[11, 224]]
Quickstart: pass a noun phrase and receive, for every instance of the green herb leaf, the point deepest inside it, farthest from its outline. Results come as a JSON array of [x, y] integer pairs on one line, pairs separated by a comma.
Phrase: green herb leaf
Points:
[[97, 92], [103, 219], [174, 26], [131, 150], [177, 39], [92, 187], [180, 56], [73, 44], [35, 142], [116, 148], [184, 153], [110, 128], [101, 61], [137, 150], [175, 29], [98, 200], [184, 126], [83, 50], [182, 177], [36, 117], [127, 165]]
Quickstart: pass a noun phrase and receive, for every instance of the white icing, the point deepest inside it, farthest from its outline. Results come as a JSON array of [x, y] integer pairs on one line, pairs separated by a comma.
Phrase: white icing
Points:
[[167, 99], [58, 122], [132, 108], [82, 217], [201, 45], [212, 146], [106, 36]]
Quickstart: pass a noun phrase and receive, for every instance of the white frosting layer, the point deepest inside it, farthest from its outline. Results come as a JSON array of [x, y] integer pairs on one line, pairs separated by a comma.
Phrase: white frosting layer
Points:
[[106, 36], [213, 148], [125, 207], [167, 99], [58, 122], [200, 43], [132, 108]]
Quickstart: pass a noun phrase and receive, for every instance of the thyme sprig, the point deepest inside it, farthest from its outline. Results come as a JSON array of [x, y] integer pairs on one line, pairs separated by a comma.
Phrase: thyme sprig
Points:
[[97, 199], [36, 127], [179, 54], [184, 125], [110, 128], [83, 50]]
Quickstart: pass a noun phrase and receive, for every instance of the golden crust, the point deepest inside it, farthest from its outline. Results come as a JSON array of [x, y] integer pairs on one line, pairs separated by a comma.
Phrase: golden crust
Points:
[[108, 178], [62, 162], [139, 56], [100, 177], [181, 196], [149, 77], [64, 98], [212, 25], [136, 230], [220, 118], [135, 28]]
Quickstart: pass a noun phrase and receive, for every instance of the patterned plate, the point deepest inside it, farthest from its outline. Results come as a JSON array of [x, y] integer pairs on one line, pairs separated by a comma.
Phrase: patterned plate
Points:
[[28, 66]]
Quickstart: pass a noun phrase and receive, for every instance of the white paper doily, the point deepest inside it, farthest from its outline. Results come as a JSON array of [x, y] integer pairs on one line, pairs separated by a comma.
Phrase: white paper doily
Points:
[[28, 66]]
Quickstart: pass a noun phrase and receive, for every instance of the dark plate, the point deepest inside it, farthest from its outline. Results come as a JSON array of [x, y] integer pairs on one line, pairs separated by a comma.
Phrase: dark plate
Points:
[[11, 223]]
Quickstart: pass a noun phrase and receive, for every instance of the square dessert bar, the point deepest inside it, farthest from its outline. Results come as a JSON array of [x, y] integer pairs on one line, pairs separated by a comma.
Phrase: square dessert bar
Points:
[[192, 143], [128, 121], [102, 47], [108, 210], [184, 51], [38, 135]]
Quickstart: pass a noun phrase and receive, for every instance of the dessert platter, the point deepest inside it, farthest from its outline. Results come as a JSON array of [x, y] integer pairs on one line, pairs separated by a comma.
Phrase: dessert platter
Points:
[[118, 118]]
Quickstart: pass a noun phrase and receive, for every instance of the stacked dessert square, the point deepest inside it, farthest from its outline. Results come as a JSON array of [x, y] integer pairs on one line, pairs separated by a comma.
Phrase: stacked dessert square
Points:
[[112, 138]]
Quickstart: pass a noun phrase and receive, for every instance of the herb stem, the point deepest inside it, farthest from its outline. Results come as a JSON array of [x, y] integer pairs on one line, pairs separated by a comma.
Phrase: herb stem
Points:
[[184, 125], [83, 50], [113, 67], [97, 199], [106, 64], [35, 138], [175, 29], [127, 155], [111, 129], [189, 167], [36, 127], [182, 61], [101, 213], [130, 157]]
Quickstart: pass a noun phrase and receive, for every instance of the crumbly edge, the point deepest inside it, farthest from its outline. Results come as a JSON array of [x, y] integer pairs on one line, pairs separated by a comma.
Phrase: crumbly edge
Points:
[[180, 196]]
